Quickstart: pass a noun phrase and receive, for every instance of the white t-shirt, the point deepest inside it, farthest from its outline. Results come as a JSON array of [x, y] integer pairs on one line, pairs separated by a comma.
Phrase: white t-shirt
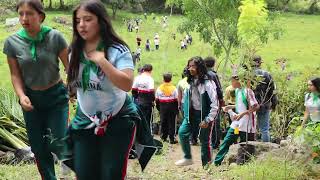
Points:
[[313, 106], [101, 95], [182, 43], [156, 41], [247, 121], [143, 83]]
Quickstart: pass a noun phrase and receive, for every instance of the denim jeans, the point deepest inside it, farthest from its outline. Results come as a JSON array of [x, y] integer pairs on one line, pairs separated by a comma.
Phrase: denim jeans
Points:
[[264, 124]]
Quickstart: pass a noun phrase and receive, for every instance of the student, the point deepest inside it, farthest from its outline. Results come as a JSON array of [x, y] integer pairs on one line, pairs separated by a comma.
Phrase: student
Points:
[[143, 92], [216, 133], [266, 98], [148, 45], [312, 103], [167, 105], [182, 46], [33, 55], [181, 86], [243, 120], [229, 99], [157, 41], [138, 41], [200, 109], [101, 68], [185, 42], [138, 54]]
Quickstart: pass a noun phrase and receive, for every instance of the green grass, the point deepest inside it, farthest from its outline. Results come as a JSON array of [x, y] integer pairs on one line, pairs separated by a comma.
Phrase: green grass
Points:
[[162, 168], [300, 44]]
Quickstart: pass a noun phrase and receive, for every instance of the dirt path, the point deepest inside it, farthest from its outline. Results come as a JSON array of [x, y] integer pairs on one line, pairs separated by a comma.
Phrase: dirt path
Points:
[[163, 167]]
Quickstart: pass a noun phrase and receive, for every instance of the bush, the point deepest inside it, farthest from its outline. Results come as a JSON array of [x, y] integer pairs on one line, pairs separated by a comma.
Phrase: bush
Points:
[[298, 6], [310, 136], [290, 91], [8, 4]]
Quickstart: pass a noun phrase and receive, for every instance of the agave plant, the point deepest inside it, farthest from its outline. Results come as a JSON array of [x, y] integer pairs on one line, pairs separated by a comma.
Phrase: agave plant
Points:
[[12, 127]]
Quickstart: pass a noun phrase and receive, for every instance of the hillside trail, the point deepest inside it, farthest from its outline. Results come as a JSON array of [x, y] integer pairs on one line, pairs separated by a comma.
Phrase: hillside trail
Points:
[[163, 166]]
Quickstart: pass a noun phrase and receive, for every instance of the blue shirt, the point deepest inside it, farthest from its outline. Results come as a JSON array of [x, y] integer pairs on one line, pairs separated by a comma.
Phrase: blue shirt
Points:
[[102, 98]]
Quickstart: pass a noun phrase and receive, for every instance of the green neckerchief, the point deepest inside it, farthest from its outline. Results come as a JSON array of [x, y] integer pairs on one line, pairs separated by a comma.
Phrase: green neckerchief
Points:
[[243, 97], [315, 97], [34, 41], [88, 67]]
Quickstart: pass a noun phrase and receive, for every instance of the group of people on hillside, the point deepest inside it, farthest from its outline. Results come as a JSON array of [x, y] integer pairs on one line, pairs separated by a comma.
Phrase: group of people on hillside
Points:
[[133, 24], [199, 96], [107, 122]]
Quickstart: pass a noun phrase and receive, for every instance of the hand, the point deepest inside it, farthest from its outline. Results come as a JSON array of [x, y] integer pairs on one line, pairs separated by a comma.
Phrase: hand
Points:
[[96, 57], [26, 103], [204, 124], [239, 116]]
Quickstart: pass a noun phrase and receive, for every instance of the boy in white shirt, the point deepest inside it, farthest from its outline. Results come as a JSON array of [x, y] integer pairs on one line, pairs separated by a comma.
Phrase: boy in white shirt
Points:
[[243, 120]]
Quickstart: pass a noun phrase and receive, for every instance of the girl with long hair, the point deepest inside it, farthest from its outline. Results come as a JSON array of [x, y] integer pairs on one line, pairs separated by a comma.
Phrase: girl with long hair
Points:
[[101, 70]]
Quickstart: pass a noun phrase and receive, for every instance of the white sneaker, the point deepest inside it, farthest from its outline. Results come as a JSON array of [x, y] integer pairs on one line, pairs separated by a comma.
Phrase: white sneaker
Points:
[[184, 162]]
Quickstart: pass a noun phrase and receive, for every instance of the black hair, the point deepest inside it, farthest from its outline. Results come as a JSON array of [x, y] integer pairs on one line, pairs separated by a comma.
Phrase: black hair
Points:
[[201, 70], [184, 72], [210, 61], [108, 36], [35, 4], [257, 58], [167, 77], [316, 83], [147, 67], [235, 77]]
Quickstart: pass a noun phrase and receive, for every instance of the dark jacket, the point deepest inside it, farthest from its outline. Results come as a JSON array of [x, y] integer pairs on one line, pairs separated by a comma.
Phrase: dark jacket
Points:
[[265, 91]]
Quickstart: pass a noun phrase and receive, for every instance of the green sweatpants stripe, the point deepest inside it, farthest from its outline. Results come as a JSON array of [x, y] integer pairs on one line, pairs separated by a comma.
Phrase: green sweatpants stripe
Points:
[[50, 112]]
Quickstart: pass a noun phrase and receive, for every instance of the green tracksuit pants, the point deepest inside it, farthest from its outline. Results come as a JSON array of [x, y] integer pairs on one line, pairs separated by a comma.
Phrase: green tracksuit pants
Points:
[[50, 112], [205, 137], [228, 141], [103, 157]]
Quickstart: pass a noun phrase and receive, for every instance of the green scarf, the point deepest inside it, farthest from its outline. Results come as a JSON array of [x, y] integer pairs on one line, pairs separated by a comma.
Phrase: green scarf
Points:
[[315, 97], [34, 41], [243, 97], [88, 67]]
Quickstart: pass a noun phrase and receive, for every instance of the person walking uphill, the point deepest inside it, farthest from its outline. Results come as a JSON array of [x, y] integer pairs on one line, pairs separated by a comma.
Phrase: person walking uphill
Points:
[[200, 109], [216, 134], [243, 120], [264, 93], [33, 55], [167, 104], [143, 92], [101, 69]]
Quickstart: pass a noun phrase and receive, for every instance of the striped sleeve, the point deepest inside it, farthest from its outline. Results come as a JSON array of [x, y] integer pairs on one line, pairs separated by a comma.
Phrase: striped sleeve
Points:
[[124, 58], [210, 87], [252, 98]]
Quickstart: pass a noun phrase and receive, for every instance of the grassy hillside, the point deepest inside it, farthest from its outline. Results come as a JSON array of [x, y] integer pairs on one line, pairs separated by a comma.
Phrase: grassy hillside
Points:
[[300, 43]]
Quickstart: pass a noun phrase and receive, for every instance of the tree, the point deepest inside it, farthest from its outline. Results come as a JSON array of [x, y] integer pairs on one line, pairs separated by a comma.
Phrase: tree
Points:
[[115, 5], [118, 4], [61, 4], [172, 3], [216, 21]]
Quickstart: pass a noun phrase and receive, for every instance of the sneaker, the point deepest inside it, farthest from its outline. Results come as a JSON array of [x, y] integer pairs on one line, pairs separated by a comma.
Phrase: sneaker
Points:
[[184, 162]]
